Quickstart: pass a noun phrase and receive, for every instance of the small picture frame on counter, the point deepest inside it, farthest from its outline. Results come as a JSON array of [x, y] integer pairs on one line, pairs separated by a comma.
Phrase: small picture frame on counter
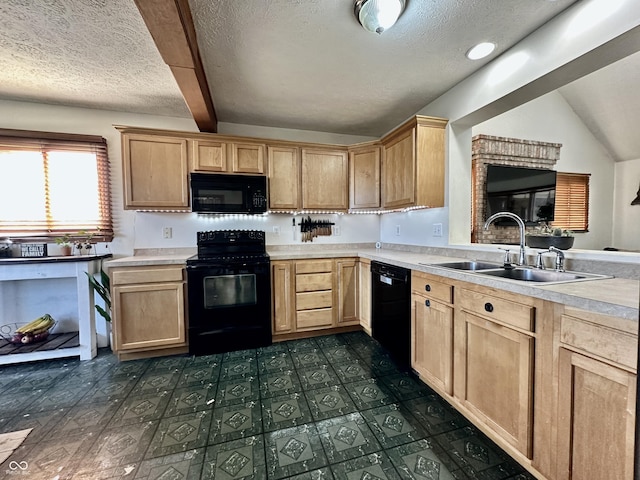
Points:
[[33, 250]]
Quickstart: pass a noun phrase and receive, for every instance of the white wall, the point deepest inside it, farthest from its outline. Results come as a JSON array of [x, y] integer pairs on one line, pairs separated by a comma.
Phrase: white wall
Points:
[[626, 219], [550, 119]]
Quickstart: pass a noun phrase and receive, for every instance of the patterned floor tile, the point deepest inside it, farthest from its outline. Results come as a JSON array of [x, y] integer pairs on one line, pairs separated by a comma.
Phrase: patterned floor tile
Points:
[[329, 402], [273, 349], [370, 393], [131, 369], [12, 404], [278, 362], [301, 345], [238, 390], [472, 451], [393, 425], [191, 399], [110, 389], [239, 354], [406, 386], [234, 422], [240, 367], [308, 358], [179, 434], [318, 376], [293, 451], [174, 363], [347, 437], [419, 461], [141, 408], [330, 341], [323, 473], [179, 466], [352, 371], [40, 422], [58, 458], [279, 383], [375, 466], [383, 364], [58, 397], [118, 447], [200, 374], [195, 360], [84, 419], [242, 459], [435, 414], [339, 353], [284, 412], [156, 381]]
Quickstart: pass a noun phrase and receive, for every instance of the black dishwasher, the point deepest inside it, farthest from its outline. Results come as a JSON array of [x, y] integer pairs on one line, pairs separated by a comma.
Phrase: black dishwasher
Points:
[[391, 310]]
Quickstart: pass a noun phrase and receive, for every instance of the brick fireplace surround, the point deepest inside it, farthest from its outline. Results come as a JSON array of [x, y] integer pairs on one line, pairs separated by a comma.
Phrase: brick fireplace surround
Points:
[[485, 150]]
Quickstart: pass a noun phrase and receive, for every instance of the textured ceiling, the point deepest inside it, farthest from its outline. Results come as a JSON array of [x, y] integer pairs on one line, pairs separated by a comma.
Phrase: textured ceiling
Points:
[[303, 64]]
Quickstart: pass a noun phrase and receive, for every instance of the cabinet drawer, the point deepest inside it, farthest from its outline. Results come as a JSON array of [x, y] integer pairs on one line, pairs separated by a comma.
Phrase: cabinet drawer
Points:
[[310, 300], [314, 282], [312, 319], [505, 311], [130, 275], [432, 288], [614, 345], [314, 266]]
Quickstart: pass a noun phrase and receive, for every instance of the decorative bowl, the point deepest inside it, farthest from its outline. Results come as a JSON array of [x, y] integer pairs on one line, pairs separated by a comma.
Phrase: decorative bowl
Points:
[[546, 241], [8, 333]]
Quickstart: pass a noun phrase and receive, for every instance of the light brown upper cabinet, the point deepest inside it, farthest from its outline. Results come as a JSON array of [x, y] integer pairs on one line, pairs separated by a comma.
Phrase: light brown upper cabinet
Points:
[[284, 177], [210, 155], [325, 174], [155, 172], [413, 164], [364, 177]]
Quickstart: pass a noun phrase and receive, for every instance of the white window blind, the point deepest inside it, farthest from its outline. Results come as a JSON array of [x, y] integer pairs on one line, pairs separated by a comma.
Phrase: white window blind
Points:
[[52, 184]]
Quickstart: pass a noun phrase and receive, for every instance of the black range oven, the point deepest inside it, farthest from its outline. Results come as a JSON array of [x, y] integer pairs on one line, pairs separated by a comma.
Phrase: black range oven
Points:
[[229, 292]]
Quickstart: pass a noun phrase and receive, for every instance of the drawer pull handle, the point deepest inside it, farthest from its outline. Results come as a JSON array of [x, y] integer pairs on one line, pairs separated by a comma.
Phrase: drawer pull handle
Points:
[[488, 307], [427, 287], [427, 303]]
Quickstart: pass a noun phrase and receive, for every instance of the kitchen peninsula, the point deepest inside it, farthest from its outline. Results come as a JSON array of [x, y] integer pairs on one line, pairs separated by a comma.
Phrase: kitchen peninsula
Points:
[[24, 287]]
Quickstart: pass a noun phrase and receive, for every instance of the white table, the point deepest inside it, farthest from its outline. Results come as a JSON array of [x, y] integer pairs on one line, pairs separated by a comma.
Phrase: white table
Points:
[[17, 269]]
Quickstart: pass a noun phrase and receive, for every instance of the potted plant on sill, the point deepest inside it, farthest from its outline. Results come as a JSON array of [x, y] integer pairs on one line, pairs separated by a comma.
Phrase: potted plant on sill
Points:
[[64, 243], [546, 236]]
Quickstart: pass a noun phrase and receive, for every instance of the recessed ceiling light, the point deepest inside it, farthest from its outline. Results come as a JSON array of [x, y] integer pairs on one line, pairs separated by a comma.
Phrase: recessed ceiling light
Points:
[[481, 50]]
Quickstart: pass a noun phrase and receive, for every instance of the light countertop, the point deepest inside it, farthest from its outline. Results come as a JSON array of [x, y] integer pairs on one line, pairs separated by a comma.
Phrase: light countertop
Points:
[[619, 297]]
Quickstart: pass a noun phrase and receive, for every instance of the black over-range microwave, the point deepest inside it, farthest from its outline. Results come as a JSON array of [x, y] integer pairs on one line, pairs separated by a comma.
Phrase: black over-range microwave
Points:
[[221, 193]]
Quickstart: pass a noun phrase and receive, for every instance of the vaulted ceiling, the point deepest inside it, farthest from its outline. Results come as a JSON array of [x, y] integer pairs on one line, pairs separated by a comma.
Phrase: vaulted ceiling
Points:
[[302, 64]]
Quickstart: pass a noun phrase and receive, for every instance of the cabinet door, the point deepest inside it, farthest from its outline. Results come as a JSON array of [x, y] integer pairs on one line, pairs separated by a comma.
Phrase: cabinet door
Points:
[[325, 179], [247, 158], [155, 172], [364, 177], [347, 271], [364, 294], [432, 342], [283, 297], [148, 316], [398, 171], [497, 371], [208, 156], [596, 419], [284, 178]]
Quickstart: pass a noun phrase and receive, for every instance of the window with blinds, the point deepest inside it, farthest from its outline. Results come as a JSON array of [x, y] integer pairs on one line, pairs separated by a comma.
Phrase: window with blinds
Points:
[[52, 184], [572, 202]]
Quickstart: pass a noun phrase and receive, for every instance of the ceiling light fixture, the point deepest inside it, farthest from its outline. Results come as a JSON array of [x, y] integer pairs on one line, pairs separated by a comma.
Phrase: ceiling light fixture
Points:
[[481, 50], [378, 15]]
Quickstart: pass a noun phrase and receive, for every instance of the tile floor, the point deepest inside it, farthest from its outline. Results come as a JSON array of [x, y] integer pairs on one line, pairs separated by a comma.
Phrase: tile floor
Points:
[[330, 408]]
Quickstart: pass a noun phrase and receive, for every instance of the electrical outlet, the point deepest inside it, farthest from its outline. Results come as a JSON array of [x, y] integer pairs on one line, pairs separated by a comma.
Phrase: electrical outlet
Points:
[[398, 230], [437, 229], [276, 230], [337, 230], [167, 232]]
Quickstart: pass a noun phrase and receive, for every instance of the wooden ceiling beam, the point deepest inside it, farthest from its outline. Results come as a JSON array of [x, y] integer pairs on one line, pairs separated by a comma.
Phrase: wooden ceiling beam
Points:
[[171, 26]]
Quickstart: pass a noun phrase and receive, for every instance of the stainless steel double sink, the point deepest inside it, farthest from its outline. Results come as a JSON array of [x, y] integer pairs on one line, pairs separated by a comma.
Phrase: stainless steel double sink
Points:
[[525, 274]]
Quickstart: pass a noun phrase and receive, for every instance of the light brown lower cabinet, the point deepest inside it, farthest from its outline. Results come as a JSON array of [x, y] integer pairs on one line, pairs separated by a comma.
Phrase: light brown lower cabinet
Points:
[[148, 307], [364, 294], [596, 419], [314, 295]]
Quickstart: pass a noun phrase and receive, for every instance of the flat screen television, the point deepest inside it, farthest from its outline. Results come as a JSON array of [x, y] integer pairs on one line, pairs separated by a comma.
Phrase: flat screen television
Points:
[[530, 193]]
